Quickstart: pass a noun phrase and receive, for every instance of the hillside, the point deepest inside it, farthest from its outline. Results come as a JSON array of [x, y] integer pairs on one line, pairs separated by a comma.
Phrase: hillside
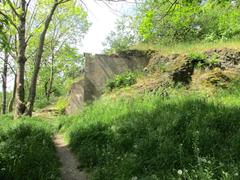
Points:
[[179, 120], [119, 90], [175, 118]]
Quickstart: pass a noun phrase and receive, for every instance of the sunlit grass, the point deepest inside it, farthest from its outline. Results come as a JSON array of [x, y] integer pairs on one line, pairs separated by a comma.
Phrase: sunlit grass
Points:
[[188, 47], [153, 135]]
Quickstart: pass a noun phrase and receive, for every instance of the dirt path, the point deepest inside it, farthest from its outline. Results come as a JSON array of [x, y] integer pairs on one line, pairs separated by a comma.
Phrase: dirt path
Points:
[[69, 169]]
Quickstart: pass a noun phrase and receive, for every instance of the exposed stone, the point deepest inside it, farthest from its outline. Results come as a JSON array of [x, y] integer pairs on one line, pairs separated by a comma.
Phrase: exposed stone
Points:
[[98, 70], [228, 57], [177, 68], [184, 73], [76, 98]]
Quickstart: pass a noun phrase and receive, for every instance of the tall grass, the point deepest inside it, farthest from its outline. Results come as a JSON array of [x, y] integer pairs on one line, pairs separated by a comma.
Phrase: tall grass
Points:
[[26, 150], [158, 136]]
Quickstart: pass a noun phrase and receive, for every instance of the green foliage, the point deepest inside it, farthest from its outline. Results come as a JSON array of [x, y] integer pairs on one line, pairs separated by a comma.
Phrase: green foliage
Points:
[[41, 103], [183, 135], [202, 60], [197, 57], [213, 61], [26, 150], [61, 60], [61, 104], [164, 22], [5, 26], [122, 38], [122, 80]]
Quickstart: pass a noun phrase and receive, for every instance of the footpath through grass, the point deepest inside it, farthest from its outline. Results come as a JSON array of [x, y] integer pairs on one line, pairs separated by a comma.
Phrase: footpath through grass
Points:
[[171, 135], [26, 150]]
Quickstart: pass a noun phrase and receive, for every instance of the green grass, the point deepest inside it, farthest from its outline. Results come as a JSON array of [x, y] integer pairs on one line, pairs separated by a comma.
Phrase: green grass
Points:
[[159, 136], [26, 150], [187, 48]]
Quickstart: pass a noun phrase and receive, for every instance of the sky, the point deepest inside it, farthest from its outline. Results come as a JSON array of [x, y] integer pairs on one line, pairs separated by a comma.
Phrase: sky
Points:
[[103, 18]]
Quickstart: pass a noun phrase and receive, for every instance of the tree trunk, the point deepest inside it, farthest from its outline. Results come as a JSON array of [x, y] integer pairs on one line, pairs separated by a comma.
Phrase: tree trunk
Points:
[[20, 93], [11, 102], [49, 90], [4, 83], [33, 86]]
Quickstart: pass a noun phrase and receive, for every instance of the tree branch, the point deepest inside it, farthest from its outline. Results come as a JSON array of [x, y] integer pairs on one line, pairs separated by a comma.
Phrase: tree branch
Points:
[[12, 7], [9, 19]]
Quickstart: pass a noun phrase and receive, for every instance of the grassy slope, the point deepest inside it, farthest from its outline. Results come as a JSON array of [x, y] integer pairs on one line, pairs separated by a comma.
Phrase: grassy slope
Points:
[[155, 136], [167, 134], [26, 150], [187, 48], [159, 135]]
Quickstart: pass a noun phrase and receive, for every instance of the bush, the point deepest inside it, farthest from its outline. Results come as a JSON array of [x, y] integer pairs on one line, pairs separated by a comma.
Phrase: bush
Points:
[[27, 152], [213, 61], [197, 58], [122, 80]]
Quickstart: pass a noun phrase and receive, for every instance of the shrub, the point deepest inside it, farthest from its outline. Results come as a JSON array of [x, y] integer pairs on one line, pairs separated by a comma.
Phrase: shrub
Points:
[[197, 58], [213, 61], [122, 80]]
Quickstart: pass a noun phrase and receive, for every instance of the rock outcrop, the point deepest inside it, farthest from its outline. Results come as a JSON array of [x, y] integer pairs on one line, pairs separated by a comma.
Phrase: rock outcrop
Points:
[[216, 70], [98, 70], [76, 98]]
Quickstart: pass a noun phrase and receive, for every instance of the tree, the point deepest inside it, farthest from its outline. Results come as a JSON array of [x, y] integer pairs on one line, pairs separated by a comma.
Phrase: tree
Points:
[[21, 10], [124, 36], [65, 32], [4, 82], [4, 25], [38, 58], [183, 21]]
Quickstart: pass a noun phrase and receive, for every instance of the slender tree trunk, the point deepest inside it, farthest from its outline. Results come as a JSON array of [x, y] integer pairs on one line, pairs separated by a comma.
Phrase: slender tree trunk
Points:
[[11, 102], [20, 93], [49, 91], [33, 86], [4, 83]]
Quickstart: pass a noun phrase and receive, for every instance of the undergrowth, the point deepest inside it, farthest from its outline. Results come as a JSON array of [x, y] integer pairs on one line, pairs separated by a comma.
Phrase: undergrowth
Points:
[[174, 135], [26, 150], [121, 80]]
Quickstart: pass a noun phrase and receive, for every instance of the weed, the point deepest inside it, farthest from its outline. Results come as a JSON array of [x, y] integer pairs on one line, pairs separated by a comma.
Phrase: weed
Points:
[[197, 58], [121, 80]]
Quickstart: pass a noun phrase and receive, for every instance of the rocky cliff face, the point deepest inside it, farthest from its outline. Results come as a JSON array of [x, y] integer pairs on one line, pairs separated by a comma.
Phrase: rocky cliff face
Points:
[[98, 70], [76, 98], [218, 68]]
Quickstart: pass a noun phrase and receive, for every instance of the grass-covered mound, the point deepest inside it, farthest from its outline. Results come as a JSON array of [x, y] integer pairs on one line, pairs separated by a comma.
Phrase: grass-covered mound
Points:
[[160, 136], [26, 150]]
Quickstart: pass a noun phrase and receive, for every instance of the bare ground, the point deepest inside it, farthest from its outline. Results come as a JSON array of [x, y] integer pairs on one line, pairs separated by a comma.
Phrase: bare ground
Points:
[[69, 169]]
